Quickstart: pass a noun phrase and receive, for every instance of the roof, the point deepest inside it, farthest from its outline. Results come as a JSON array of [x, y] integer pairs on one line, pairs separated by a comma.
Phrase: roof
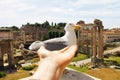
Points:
[[5, 29]]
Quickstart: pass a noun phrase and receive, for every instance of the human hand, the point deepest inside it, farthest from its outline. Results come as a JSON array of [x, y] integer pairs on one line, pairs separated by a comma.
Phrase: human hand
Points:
[[59, 57], [52, 63]]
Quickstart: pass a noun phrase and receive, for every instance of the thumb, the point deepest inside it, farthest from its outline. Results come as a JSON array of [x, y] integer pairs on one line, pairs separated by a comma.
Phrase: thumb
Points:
[[42, 52], [70, 52]]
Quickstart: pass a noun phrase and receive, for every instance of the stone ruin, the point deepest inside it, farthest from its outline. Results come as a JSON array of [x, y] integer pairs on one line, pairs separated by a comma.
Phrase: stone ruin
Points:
[[90, 40], [6, 47]]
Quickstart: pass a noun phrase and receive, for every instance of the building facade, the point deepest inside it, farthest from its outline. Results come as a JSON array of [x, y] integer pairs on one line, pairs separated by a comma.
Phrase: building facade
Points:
[[111, 35]]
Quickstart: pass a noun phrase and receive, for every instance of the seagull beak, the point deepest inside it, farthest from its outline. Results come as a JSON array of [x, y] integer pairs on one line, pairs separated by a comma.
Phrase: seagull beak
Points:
[[77, 27]]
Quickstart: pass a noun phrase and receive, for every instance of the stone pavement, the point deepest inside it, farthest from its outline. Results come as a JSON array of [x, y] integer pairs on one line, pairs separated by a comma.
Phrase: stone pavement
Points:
[[71, 74], [81, 63], [111, 51]]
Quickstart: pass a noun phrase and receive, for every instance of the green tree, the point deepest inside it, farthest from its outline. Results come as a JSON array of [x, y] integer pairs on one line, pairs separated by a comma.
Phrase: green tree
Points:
[[37, 25], [56, 34], [52, 24], [14, 28], [46, 25], [61, 34], [61, 24], [53, 35], [28, 24], [50, 34]]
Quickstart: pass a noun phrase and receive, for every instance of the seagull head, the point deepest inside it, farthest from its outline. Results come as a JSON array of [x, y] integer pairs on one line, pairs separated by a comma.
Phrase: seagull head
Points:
[[71, 26]]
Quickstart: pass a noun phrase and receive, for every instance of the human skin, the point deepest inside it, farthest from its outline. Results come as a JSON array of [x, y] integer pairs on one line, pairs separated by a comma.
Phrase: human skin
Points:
[[52, 63]]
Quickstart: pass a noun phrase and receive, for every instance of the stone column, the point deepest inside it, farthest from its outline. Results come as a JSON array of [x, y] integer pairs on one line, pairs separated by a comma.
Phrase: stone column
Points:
[[82, 23], [98, 41], [1, 59], [82, 40], [87, 44], [101, 44], [94, 42], [91, 42], [99, 25], [101, 39], [11, 56], [23, 36], [94, 47], [78, 40]]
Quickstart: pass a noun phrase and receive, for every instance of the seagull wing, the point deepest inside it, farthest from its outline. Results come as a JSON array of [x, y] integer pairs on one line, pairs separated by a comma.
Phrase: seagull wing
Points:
[[55, 44]]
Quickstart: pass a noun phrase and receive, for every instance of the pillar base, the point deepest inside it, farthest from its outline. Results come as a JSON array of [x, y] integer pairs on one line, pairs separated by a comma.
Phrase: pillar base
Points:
[[1, 68], [12, 66], [97, 62], [100, 62]]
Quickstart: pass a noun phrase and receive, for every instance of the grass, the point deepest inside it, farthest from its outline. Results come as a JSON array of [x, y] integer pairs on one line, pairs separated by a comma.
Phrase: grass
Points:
[[105, 73], [80, 69], [16, 75], [113, 59], [110, 48], [36, 59], [80, 57]]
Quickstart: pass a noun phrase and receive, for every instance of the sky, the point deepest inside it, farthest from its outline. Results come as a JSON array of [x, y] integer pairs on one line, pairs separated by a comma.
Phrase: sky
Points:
[[18, 12]]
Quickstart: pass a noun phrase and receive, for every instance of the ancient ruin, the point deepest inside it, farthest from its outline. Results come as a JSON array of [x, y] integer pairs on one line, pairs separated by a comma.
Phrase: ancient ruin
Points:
[[10, 39], [90, 40], [6, 47]]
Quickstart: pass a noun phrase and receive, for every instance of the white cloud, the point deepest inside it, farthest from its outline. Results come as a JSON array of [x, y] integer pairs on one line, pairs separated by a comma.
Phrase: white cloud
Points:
[[92, 2], [17, 12]]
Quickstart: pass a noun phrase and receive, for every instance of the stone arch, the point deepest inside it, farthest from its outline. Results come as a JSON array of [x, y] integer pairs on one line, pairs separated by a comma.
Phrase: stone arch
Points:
[[6, 46]]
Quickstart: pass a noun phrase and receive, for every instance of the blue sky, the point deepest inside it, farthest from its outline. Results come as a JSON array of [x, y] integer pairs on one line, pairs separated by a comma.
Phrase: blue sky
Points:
[[18, 12]]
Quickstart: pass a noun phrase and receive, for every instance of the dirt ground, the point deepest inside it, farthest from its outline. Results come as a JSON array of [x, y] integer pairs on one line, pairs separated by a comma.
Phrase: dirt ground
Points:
[[105, 73]]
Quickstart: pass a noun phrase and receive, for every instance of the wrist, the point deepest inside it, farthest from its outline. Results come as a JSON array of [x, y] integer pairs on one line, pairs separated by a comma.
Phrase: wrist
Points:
[[45, 71]]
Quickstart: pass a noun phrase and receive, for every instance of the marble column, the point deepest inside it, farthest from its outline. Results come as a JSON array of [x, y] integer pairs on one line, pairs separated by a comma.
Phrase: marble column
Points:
[[10, 55], [1, 59]]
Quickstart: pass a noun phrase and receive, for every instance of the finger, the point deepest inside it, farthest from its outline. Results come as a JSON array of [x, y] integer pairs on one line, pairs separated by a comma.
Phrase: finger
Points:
[[43, 50], [68, 55], [64, 49], [72, 49], [43, 47], [70, 52]]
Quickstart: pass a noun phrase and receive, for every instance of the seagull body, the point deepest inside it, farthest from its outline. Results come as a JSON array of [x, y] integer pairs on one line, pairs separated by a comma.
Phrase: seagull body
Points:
[[68, 39]]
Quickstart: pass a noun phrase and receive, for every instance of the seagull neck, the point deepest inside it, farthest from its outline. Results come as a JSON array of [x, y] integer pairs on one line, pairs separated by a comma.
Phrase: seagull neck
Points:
[[70, 34]]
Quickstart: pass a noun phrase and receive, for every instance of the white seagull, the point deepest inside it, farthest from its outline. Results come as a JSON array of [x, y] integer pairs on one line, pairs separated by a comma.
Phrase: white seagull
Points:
[[68, 39]]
